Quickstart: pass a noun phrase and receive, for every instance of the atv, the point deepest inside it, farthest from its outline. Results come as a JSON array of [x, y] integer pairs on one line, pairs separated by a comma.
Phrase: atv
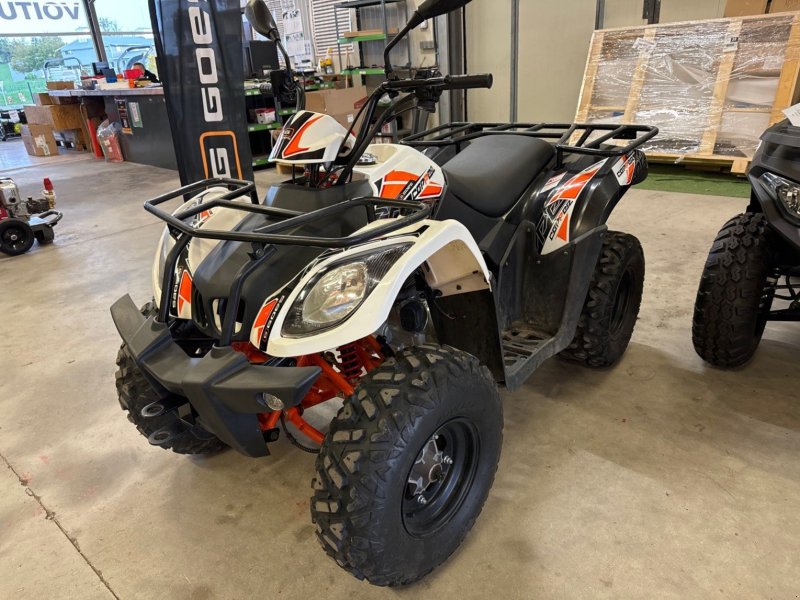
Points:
[[408, 280], [755, 258]]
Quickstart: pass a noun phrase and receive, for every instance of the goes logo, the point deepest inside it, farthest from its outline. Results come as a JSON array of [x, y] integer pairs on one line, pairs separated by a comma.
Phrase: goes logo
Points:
[[219, 150]]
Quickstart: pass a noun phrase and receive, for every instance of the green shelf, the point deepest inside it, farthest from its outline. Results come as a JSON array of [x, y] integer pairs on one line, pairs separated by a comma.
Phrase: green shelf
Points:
[[263, 126], [363, 38], [253, 92], [260, 161], [286, 111], [365, 71]]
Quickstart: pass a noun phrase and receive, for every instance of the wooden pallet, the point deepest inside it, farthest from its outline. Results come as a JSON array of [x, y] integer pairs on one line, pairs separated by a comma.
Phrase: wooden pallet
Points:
[[288, 169], [647, 38]]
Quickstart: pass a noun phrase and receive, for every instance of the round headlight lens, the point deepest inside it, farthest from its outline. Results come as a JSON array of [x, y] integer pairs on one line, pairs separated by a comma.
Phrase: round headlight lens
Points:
[[336, 294]]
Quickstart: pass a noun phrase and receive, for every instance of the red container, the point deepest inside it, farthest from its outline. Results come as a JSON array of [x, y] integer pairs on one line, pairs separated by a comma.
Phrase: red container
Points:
[[133, 73]]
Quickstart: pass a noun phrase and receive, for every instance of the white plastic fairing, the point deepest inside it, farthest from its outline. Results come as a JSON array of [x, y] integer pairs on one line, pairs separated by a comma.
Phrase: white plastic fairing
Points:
[[451, 261], [224, 219], [402, 173], [310, 138]]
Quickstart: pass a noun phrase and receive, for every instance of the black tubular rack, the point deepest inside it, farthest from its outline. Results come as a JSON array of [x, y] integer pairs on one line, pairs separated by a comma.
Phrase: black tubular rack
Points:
[[260, 237], [568, 138]]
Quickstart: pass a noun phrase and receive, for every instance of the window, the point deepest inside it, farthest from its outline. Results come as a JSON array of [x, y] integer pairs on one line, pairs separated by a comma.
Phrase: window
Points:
[[51, 42], [127, 33]]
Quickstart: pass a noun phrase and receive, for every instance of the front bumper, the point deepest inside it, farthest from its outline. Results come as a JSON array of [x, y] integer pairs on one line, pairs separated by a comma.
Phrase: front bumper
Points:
[[223, 387]]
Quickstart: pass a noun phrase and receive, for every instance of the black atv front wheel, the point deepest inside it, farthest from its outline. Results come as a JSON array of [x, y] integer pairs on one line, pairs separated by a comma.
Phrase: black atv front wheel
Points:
[[16, 236], [135, 393], [736, 292], [407, 465], [612, 304]]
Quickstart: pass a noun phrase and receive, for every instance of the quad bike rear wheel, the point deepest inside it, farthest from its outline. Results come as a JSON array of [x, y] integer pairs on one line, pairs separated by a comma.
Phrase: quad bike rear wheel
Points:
[[135, 393], [16, 236], [612, 304], [407, 465], [735, 293]]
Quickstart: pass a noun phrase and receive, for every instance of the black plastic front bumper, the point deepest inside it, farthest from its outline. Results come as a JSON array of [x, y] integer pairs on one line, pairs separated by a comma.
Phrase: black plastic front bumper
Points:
[[223, 387]]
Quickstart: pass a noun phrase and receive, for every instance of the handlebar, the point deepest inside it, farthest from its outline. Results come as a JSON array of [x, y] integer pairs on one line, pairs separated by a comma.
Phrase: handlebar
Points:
[[446, 82], [469, 82]]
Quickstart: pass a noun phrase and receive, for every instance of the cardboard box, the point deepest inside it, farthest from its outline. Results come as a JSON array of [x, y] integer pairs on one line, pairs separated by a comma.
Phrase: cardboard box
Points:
[[784, 6], [39, 140], [42, 99], [60, 85], [340, 104], [742, 8], [56, 116]]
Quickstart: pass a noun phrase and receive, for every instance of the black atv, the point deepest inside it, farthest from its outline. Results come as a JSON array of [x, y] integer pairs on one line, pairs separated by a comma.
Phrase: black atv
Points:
[[752, 274]]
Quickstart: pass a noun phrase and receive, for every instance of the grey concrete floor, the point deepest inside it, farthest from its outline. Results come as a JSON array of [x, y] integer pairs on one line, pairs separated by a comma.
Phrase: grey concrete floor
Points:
[[659, 478]]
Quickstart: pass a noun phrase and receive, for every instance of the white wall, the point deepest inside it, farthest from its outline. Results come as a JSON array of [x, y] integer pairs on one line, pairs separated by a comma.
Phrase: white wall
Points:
[[489, 51], [553, 45]]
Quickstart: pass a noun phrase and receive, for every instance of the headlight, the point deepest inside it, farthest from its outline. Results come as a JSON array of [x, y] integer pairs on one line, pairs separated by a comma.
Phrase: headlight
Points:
[[788, 192], [337, 291]]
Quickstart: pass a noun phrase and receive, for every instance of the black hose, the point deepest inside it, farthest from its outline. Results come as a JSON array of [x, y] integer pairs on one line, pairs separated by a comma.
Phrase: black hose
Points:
[[293, 439]]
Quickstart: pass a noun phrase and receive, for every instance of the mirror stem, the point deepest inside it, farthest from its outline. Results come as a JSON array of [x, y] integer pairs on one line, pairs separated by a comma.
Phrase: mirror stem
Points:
[[416, 19]]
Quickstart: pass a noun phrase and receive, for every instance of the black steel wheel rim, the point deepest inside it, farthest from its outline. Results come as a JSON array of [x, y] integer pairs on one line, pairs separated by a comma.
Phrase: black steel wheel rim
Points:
[[14, 238], [443, 497], [622, 300]]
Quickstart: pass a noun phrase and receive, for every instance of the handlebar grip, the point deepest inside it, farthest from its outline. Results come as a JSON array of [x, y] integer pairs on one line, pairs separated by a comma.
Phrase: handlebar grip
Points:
[[468, 82]]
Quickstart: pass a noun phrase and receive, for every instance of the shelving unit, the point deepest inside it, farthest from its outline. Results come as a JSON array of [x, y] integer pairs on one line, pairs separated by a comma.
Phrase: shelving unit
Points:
[[376, 29], [261, 133]]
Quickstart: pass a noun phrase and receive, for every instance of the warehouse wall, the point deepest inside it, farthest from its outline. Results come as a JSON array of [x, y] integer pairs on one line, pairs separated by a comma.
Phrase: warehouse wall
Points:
[[628, 13], [553, 46], [489, 51]]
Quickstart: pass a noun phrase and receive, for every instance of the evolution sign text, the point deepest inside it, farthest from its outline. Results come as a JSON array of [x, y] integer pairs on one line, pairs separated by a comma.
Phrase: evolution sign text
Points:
[[34, 17]]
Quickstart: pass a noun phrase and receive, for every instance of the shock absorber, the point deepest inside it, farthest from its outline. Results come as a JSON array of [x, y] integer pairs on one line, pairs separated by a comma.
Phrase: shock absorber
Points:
[[349, 362]]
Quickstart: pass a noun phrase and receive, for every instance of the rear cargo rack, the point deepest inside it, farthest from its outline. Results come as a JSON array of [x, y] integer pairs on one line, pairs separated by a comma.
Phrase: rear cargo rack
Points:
[[183, 231], [568, 138]]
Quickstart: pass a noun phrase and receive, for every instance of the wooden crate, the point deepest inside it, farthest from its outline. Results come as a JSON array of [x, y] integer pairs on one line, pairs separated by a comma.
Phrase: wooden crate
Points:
[[687, 79]]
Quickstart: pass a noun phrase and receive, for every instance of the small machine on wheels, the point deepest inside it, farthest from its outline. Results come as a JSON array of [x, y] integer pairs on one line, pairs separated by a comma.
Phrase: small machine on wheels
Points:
[[24, 221]]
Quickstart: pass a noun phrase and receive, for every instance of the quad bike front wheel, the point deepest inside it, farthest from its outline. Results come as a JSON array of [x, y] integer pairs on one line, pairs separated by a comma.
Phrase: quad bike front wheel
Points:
[[735, 293], [407, 465], [612, 304], [136, 393], [16, 236]]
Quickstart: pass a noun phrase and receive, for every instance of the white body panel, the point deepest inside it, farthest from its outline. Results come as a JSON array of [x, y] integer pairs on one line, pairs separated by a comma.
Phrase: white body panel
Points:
[[451, 258], [310, 138], [402, 173], [223, 219]]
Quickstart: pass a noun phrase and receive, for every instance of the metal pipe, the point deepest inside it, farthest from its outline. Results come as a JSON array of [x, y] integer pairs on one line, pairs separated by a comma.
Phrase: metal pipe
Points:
[[514, 57]]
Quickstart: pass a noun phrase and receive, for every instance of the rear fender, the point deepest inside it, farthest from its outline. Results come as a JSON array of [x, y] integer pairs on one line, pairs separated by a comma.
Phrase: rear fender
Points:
[[450, 260], [574, 202]]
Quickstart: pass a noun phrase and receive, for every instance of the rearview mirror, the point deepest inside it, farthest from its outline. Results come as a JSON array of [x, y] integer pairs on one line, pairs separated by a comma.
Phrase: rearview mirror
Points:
[[260, 18], [434, 8]]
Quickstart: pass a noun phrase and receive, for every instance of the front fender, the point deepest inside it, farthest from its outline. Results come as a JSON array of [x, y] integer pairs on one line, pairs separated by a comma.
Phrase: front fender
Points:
[[452, 264]]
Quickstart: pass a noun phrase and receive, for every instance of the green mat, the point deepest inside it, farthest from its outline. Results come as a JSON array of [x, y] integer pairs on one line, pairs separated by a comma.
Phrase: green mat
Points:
[[668, 178]]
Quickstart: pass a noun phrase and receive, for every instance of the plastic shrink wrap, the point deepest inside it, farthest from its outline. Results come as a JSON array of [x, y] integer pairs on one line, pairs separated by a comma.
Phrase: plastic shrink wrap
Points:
[[711, 87]]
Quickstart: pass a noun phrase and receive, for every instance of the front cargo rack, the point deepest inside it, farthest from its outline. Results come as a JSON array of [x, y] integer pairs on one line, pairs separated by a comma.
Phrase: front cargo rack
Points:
[[183, 231], [568, 138]]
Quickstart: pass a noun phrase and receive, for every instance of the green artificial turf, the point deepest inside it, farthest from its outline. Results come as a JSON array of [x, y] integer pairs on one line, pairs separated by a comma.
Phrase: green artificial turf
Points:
[[669, 178]]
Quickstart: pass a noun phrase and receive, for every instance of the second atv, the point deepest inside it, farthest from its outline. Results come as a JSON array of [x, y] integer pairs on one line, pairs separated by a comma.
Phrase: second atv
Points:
[[407, 279], [752, 275]]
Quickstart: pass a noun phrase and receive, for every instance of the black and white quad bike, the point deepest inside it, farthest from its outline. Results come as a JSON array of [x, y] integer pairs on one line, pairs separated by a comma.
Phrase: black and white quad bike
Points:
[[406, 279], [755, 259]]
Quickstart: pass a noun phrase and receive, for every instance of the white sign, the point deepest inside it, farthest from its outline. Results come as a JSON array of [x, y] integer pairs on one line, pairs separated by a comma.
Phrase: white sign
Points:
[[34, 17], [793, 114]]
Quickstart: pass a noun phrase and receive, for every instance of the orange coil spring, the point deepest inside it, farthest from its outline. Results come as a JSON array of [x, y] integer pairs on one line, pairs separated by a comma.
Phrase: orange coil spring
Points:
[[349, 362]]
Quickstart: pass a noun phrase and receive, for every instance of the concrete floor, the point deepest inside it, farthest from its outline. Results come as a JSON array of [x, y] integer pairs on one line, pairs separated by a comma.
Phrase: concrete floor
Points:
[[660, 478]]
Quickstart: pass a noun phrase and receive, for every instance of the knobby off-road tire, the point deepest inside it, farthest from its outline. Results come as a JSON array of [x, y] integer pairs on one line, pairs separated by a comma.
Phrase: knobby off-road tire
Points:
[[612, 304], [135, 392], [734, 296], [368, 515]]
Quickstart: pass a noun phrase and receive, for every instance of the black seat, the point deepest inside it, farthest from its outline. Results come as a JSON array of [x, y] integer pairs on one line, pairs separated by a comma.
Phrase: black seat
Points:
[[491, 173]]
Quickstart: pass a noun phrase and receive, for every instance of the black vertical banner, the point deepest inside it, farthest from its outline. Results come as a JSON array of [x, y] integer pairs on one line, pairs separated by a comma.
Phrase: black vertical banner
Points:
[[199, 46]]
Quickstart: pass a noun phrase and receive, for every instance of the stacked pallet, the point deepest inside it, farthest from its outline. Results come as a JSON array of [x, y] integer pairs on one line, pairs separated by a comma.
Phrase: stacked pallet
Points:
[[712, 87]]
